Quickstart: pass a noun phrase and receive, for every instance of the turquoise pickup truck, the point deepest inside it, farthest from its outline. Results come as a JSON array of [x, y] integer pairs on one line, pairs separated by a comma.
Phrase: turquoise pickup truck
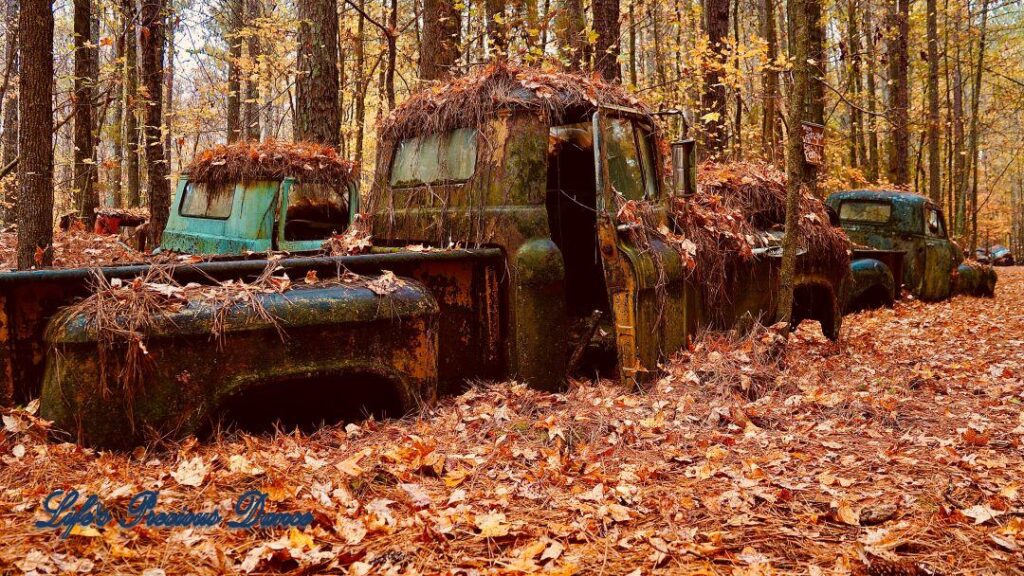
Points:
[[905, 245]]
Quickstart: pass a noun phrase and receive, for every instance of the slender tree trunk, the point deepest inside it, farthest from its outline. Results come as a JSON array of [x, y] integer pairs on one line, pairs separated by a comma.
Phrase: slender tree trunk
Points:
[[35, 136], [251, 107], [235, 18], [10, 113], [853, 69], [442, 25], [738, 121], [899, 92], [770, 85], [117, 138], [974, 136], [316, 88], [632, 42], [716, 24], [934, 160], [873, 156], [86, 193], [168, 123], [361, 83], [800, 24], [606, 47], [654, 11], [151, 48], [570, 27], [392, 40], [815, 99], [131, 133]]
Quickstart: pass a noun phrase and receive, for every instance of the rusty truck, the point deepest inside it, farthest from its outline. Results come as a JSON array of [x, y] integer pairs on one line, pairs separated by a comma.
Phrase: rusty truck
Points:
[[494, 209]]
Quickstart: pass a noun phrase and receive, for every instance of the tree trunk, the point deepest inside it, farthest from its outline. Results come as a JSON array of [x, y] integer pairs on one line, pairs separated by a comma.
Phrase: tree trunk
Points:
[[251, 107], [737, 130], [442, 25], [934, 160], [35, 136], [716, 24], [874, 161], [815, 99], [131, 133], [117, 140], [606, 48], [168, 122], [632, 43], [392, 41], [316, 86], [151, 48], [899, 92], [570, 30], [853, 69], [361, 83], [974, 136], [85, 189], [235, 18], [770, 85], [496, 28], [800, 24], [10, 113]]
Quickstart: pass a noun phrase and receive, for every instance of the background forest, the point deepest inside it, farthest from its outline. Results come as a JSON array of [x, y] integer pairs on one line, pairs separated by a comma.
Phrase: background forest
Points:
[[924, 95]]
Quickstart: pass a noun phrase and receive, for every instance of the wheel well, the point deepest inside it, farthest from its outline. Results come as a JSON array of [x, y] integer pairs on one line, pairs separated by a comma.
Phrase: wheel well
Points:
[[814, 302], [874, 297], [310, 401]]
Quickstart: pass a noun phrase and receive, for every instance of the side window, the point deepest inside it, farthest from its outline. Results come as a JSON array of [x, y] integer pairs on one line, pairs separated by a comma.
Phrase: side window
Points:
[[936, 226], [648, 155], [624, 169], [201, 200], [447, 158], [315, 211]]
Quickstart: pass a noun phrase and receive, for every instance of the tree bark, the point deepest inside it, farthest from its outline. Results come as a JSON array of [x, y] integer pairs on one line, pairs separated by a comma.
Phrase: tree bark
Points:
[[233, 30], [151, 47], [168, 118], [716, 24], [10, 113], [316, 86], [800, 24], [934, 160], [85, 189], [362, 82], [570, 30], [117, 140], [853, 69], [254, 47], [35, 136], [392, 41], [131, 134], [899, 92], [497, 31], [974, 136], [442, 25], [606, 48], [770, 85], [873, 156]]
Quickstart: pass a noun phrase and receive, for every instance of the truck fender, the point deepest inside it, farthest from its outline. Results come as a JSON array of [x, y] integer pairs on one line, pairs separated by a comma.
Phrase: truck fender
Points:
[[538, 345], [873, 285]]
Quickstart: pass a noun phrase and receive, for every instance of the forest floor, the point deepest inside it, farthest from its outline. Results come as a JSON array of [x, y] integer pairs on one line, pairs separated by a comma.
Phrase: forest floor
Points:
[[895, 451]]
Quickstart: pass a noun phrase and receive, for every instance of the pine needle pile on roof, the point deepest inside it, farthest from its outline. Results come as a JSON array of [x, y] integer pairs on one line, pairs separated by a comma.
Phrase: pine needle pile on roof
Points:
[[472, 100], [272, 160], [735, 207]]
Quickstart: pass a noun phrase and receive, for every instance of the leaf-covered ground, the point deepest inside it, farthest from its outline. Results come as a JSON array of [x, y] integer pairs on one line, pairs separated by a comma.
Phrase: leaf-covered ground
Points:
[[897, 451]]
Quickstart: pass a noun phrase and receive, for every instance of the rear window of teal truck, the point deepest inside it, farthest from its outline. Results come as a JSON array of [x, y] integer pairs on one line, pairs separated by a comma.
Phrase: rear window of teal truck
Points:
[[865, 211], [200, 200], [446, 158], [315, 211]]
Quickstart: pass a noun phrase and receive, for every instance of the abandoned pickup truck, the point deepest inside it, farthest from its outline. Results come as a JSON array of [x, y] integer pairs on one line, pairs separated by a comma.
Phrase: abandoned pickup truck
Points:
[[495, 210], [908, 246]]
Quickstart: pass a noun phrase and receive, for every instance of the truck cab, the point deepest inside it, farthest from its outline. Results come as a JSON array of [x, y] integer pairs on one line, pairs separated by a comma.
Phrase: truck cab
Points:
[[251, 216], [894, 221]]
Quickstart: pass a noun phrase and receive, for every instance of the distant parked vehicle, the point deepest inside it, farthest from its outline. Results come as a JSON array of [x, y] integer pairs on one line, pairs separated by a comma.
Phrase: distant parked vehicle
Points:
[[932, 266], [1000, 255]]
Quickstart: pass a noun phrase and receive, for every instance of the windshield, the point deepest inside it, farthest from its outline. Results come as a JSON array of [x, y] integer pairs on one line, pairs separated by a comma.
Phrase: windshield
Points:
[[865, 211], [201, 200], [315, 211]]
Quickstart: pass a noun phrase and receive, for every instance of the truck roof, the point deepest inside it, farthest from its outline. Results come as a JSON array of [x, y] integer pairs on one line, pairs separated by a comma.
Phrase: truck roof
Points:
[[471, 100], [909, 197], [272, 160]]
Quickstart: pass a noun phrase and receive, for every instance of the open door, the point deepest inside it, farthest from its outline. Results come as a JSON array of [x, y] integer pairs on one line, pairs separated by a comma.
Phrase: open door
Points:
[[624, 160]]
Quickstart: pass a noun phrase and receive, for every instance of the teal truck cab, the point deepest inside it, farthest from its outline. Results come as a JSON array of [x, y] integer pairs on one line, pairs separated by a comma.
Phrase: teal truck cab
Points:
[[912, 226], [497, 214]]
